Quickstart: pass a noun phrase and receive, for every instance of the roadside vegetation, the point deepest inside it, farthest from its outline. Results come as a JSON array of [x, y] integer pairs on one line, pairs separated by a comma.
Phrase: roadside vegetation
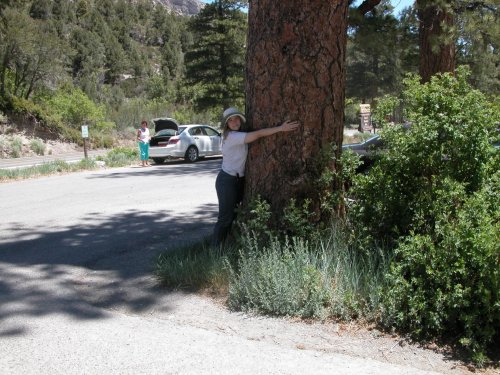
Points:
[[118, 157], [417, 252]]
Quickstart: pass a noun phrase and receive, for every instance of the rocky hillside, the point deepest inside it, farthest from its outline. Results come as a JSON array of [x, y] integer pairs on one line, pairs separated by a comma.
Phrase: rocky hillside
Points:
[[183, 7]]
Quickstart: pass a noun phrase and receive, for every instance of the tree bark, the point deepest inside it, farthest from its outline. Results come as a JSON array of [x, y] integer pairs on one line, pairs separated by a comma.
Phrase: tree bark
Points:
[[295, 70], [436, 42]]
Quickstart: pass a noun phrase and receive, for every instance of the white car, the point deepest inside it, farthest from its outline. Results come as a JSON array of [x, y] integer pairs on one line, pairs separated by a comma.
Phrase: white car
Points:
[[190, 142]]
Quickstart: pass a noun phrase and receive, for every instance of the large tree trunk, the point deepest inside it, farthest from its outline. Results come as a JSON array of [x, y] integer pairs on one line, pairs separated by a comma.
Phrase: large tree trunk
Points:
[[295, 70], [437, 45]]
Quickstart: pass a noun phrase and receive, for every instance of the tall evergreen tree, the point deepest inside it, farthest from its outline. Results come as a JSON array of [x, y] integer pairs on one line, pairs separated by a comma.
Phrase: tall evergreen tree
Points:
[[217, 58], [373, 67], [479, 43], [408, 40]]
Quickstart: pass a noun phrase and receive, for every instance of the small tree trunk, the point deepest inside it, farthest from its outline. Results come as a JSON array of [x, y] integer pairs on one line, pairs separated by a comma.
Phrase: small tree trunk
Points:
[[437, 45], [295, 70]]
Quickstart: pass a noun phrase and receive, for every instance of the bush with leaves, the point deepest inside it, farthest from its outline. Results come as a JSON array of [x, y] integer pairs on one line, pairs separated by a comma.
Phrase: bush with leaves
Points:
[[448, 138], [446, 283], [433, 198]]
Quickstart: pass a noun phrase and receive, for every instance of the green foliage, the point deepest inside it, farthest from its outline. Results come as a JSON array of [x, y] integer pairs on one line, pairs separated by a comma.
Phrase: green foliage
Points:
[[321, 278], [41, 113], [448, 138], [74, 108], [384, 110], [281, 280], [448, 282], [434, 197], [216, 59], [373, 55], [120, 157], [478, 44], [37, 146], [16, 147], [298, 219], [351, 113]]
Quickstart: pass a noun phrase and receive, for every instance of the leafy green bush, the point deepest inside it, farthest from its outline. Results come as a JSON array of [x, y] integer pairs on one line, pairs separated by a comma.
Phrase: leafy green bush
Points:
[[448, 282], [434, 198], [42, 114], [448, 138]]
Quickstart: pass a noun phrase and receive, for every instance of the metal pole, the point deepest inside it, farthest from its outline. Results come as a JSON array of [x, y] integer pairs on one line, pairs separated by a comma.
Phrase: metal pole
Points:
[[85, 148]]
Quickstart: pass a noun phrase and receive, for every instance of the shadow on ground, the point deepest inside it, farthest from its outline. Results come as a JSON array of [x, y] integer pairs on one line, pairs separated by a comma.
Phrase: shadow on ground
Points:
[[82, 271]]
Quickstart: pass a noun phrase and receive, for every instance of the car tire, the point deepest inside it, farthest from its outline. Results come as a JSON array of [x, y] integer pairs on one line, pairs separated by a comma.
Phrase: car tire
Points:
[[159, 160], [191, 154]]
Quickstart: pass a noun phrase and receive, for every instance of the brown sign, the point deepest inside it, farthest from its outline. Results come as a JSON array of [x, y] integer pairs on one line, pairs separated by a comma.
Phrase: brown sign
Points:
[[365, 118]]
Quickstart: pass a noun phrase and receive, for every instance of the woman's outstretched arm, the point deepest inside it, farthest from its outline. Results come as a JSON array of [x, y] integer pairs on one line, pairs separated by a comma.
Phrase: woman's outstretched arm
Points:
[[287, 126]]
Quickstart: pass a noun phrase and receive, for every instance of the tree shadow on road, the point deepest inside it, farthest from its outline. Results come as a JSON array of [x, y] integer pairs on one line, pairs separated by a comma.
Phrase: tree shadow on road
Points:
[[85, 270]]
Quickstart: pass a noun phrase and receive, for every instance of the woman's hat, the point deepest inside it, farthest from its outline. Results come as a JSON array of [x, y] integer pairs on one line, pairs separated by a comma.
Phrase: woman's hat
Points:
[[231, 112]]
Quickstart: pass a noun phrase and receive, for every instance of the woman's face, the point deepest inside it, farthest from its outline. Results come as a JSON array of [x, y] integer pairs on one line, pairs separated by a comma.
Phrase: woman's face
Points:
[[234, 123], [144, 124]]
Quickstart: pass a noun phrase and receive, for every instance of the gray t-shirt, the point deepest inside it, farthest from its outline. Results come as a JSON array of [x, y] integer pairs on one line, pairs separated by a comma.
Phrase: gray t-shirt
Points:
[[234, 153]]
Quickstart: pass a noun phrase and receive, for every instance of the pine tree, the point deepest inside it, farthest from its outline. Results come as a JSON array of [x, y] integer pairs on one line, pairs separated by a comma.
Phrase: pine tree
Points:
[[216, 60]]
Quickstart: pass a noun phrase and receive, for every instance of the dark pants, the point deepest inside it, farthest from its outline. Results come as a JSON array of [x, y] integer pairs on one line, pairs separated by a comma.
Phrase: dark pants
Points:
[[230, 194]]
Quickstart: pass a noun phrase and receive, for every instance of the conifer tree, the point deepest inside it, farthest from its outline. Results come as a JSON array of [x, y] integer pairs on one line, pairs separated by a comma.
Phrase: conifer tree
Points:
[[217, 58]]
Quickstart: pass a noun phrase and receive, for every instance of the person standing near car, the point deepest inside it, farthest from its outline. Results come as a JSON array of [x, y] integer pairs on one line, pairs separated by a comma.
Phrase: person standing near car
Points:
[[143, 138], [230, 180]]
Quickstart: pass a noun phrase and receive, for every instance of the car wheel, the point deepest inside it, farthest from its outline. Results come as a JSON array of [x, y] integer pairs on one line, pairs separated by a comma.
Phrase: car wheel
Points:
[[159, 160], [191, 154]]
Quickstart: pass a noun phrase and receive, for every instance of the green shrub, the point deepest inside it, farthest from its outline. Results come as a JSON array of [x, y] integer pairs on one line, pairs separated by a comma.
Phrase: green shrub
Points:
[[447, 283], [16, 147], [451, 123], [121, 156], [37, 146], [318, 278], [433, 197], [284, 279]]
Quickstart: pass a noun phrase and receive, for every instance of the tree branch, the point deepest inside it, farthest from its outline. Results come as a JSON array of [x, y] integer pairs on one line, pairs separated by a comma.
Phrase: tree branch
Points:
[[367, 6]]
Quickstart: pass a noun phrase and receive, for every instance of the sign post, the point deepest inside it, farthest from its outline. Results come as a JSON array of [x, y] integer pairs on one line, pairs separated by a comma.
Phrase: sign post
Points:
[[365, 118], [85, 136]]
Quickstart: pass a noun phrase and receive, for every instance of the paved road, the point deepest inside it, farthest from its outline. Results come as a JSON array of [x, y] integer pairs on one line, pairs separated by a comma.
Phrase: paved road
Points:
[[37, 160], [77, 295]]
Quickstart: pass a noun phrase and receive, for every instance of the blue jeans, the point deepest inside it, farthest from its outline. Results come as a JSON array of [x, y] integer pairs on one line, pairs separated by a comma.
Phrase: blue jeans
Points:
[[230, 194]]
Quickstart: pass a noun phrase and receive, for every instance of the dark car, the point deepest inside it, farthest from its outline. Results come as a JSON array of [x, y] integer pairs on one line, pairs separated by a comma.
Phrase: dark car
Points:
[[366, 150]]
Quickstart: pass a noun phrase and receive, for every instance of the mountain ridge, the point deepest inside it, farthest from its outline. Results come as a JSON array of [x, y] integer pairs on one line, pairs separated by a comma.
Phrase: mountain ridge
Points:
[[182, 7]]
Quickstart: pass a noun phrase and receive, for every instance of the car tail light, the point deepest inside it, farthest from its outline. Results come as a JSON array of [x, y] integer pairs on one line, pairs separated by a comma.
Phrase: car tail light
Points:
[[162, 143], [173, 141]]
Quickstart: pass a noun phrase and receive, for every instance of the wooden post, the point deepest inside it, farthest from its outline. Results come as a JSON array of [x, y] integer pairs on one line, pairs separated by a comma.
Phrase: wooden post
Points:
[[85, 135], [85, 148]]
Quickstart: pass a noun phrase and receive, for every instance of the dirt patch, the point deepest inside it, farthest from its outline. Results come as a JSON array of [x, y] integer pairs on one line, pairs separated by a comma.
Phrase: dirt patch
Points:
[[353, 339], [20, 139]]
